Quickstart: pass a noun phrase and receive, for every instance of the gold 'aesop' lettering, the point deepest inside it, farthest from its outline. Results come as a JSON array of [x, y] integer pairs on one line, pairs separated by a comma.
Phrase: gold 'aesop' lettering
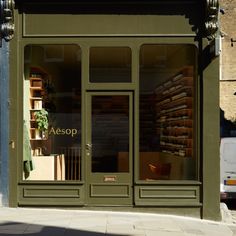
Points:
[[52, 131], [74, 132], [59, 131]]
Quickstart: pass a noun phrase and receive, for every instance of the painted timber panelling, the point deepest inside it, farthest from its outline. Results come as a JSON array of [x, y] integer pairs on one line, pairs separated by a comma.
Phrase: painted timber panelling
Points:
[[89, 25], [167, 195], [52, 195]]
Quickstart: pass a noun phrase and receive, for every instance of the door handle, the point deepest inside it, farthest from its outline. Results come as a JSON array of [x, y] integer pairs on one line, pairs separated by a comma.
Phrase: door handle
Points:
[[88, 146]]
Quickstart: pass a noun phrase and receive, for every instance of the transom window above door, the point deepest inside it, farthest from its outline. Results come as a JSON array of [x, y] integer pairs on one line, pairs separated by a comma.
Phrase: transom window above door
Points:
[[110, 65]]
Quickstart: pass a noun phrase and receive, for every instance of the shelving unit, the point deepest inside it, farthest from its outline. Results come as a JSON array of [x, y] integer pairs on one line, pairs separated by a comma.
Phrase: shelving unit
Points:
[[147, 120], [174, 109], [36, 102], [47, 166]]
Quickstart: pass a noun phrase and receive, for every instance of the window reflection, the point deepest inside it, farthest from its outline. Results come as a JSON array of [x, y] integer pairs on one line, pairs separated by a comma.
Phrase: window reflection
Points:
[[52, 88], [167, 112]]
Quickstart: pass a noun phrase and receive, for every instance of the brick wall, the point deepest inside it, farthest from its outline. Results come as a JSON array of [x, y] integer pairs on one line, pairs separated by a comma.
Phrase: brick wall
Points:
[[228, 99], [228, 29], [228, 59]]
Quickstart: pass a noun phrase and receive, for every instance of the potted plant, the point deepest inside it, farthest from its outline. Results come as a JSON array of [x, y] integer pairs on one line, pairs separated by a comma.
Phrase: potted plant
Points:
[[41, 118]]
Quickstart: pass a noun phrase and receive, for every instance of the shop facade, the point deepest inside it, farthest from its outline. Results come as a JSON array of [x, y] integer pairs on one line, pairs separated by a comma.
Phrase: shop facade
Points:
[[115, 106]]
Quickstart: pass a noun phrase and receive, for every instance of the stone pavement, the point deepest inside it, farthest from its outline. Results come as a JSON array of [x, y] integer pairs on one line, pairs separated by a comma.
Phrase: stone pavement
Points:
[[55, 222]]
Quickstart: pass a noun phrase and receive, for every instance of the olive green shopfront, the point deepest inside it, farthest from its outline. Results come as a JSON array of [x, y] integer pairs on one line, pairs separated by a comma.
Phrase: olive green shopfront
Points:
[[114, 105]]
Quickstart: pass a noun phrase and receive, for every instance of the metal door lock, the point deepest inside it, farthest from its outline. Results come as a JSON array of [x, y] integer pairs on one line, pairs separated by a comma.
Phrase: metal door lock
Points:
[[88, 147]]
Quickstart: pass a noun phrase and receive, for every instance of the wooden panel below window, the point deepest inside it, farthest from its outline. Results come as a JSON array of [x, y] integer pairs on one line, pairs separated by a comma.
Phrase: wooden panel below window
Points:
[[110, 190], [167, 195], [49, 195]]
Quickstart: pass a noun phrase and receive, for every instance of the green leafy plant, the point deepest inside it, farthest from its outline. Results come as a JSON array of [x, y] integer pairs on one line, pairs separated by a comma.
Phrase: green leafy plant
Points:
[[41, 118]]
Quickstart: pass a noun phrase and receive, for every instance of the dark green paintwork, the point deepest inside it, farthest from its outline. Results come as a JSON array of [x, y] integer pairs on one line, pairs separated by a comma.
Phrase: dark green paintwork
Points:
[[210, 141], [170, 23]]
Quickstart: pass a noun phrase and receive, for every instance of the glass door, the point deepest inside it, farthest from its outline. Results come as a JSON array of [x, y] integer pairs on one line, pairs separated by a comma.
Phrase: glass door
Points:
[[108, 148]]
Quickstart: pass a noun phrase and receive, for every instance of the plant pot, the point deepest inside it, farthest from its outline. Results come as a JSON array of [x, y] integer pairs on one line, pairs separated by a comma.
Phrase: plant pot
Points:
[[38, 134], [44, 135]]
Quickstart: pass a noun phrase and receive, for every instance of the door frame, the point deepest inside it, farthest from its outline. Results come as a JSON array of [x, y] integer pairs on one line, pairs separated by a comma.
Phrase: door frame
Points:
[[119, 190]]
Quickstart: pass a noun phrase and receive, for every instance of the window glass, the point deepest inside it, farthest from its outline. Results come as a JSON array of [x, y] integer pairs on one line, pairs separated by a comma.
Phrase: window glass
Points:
[[110, 133], [110, 64], [52, 112], [167, 112]]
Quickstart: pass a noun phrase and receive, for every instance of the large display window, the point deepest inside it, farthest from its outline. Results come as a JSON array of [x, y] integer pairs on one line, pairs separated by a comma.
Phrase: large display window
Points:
[[52, 112], [167, 112]]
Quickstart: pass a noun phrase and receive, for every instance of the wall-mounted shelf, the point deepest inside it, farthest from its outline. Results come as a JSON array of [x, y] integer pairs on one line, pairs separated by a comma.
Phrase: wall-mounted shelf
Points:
[[36, 100], [174, 109]]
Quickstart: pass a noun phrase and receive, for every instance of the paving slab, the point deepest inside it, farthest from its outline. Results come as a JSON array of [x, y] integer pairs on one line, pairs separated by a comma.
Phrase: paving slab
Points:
[[57, 222]]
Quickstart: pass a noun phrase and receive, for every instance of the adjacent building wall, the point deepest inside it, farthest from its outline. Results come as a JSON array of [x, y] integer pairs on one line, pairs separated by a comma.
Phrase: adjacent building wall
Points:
[[4, 72], [228, 59], [228, 98]]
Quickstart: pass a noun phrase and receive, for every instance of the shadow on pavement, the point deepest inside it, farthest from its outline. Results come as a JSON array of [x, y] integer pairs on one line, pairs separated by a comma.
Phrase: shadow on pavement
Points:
[[17, 228]]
